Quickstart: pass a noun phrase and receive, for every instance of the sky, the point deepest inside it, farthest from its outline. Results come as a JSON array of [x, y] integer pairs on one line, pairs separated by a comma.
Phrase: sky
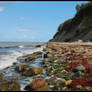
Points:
[[28, 21]]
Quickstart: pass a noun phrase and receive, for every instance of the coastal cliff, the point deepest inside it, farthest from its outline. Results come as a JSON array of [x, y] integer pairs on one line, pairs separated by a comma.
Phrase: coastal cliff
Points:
[[77, 28]]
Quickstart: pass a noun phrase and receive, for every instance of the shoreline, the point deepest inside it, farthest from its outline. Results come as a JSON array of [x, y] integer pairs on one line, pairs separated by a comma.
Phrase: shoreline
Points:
[[72, 43], [53, 69], [9, 72], [13, 58]]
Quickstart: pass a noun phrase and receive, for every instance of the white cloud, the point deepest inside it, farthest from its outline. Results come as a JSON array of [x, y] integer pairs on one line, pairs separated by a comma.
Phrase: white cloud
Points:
[[25, 36], [23, 29], [1, 9], [4, 4]]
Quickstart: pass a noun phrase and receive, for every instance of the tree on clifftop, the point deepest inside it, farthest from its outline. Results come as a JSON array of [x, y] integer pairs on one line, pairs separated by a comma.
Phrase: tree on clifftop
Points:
[[77, 7]]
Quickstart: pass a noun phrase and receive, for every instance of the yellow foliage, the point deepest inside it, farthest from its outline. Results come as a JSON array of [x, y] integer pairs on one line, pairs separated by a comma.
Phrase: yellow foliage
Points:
[[68, 21]]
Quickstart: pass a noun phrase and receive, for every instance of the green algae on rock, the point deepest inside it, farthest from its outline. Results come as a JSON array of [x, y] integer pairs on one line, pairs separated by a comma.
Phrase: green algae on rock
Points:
[[9, 86]]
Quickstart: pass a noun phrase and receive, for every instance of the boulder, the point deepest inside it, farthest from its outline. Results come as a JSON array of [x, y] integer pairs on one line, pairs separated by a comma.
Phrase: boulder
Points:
[[68, 82], [52, 80], [38, 84], [59, 85], [38, 53], [14, 63], [9, 86], [6, 85], [49, 55], [77, 74], [80, 67], [36, 70], [79, 86], [1, 76], [38, 45], [48, 49], [40, 56], [30, 58], [22, 67], [62, 73], [13, 76], [26, 70]]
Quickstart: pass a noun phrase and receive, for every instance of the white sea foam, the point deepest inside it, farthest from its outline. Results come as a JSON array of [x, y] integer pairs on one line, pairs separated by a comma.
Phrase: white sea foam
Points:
[[8, 59]]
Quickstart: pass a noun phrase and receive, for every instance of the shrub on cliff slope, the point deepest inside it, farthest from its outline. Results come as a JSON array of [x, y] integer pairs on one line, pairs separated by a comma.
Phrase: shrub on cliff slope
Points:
[[79, 7]]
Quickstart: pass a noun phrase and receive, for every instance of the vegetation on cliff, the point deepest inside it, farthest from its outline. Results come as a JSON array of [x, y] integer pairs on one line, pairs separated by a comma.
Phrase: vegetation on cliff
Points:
[[78, 27]]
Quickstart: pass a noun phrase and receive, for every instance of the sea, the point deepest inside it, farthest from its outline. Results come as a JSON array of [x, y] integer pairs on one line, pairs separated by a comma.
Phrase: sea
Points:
[[10, 51]]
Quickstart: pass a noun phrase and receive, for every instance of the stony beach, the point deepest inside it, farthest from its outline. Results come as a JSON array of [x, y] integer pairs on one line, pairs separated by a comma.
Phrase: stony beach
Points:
[[58, 67]]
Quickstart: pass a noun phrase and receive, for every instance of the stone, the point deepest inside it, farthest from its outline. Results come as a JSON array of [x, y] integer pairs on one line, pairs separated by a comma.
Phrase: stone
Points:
[[77, 74], [22, 67], [52, 80], [38, 45], [48, 49], [30, 58], [78, 86], [80, 67], [28, 72], [61, 74], [13, 76], [37, 53], [49, 55], [40, 56], [59, 85], [33, 71], [9, 86], [36, 70], [14, 63], [68, 82], [37, 84], [1, 76]]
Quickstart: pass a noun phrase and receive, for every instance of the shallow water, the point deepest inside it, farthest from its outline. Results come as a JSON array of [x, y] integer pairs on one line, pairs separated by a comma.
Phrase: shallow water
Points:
[[15, 44], [10, 55]]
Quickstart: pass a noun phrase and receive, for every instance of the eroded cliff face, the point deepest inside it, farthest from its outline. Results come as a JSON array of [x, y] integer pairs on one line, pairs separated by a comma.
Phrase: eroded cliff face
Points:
[[77, 28]]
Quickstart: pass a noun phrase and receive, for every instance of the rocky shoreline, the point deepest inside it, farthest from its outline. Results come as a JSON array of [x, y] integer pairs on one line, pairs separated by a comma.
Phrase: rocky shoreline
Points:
[[59, 67], [17, 76]]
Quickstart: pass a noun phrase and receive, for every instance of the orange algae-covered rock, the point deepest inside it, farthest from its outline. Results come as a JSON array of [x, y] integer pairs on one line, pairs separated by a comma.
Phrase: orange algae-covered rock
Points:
[[38, 84]]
